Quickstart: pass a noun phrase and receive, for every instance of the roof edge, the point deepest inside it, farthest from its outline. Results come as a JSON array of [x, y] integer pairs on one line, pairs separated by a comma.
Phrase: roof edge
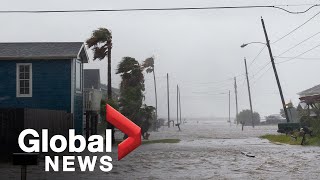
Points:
[[36, 58], [83, 48]]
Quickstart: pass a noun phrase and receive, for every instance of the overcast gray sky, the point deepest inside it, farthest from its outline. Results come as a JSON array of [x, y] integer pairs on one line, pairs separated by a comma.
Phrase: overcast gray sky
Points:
[[199, 49]]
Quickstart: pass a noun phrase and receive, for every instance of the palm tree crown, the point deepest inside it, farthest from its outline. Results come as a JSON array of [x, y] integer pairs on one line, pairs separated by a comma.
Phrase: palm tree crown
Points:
[[101, 42]]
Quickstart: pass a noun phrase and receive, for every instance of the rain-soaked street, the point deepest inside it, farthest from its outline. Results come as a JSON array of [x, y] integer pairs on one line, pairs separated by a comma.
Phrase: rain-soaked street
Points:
[[207, 150]]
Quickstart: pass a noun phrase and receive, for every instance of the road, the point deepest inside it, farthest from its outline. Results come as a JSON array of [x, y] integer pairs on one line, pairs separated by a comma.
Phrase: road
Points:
[[209, 149]]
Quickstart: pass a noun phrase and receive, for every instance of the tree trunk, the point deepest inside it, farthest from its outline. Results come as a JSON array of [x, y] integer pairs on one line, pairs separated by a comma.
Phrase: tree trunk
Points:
[[156, 97], [109, 85], [109, 71]]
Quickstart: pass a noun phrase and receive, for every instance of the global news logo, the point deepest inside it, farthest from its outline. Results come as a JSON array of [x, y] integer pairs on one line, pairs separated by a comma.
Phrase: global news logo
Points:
[[94, 144]]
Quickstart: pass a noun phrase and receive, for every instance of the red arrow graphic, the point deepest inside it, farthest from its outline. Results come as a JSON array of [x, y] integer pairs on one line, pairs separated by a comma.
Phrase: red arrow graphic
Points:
[[126, 126]]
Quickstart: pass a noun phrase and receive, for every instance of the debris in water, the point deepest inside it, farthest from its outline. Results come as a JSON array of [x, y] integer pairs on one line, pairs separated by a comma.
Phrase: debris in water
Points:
[[248, 154]]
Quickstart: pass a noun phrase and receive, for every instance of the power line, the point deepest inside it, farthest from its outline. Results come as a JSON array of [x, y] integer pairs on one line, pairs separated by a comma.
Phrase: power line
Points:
[[208, 83], [260, 69], [261, 76], [299, 44], [256, 57], [160, 9], [296, 28], [292, 5], [299, 55], [297, 12], [286, 57]]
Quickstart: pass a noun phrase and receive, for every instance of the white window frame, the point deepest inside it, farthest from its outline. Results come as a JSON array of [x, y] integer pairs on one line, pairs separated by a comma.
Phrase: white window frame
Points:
[[79, 91], [18, 80]]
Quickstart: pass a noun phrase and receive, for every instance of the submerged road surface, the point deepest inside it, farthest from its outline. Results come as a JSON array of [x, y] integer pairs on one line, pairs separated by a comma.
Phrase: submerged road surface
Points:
[[207, 150]]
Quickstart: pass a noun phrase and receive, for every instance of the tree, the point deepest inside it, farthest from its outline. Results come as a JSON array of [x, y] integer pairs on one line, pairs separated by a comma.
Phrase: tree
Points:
[[104, 125], [244, 117], [131, 88], [131, 94], [148, 65], [146, 115], [101, 44]]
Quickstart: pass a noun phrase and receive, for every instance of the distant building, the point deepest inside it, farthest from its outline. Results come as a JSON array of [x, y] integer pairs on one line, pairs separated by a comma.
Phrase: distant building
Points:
[[115, 92], [92, 89], [308, 100], [92, 100], [274, 119], [92, 79], [311, 92]]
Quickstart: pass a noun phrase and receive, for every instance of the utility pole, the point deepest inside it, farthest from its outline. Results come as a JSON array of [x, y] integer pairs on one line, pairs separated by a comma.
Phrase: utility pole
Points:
[[177, 104], [168, 100], [229, 109], [236, 96], [245, 63], [178, 124], [180, 106], [275, 71]]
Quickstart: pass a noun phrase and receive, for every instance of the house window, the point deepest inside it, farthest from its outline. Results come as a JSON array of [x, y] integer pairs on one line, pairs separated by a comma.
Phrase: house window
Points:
[[78, 76], [24, 80]]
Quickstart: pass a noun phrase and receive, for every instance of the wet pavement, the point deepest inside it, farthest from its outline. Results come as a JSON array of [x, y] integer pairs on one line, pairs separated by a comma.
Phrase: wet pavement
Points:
[[208, 150]]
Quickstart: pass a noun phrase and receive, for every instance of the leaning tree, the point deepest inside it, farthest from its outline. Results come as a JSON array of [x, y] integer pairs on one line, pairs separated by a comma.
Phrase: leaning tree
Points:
[[101, 44], [148, 65]]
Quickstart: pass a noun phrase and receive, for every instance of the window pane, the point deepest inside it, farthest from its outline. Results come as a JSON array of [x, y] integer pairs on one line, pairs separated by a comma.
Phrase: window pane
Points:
[[22, 90], [26, 75], [26, 84], [21, 83], [26, 90], [21, 68], [21, 75], [26, 68]]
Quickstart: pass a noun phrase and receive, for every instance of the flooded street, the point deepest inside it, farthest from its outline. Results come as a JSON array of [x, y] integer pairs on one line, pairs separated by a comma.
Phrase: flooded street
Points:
[[207, 150], [211, 150]]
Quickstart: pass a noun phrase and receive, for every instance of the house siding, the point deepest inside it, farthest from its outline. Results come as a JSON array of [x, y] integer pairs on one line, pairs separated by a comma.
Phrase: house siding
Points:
[[50, 81], [78, 113], [51, 85], [51, 88], [77, 102]]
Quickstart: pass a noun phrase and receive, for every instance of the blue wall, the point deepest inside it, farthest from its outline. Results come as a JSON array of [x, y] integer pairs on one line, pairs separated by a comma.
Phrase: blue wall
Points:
[[51, 88], [51, 85]]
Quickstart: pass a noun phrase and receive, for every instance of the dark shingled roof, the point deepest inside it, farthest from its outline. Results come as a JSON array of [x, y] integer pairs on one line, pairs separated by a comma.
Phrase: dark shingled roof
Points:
[[91, 78], [42, 50]]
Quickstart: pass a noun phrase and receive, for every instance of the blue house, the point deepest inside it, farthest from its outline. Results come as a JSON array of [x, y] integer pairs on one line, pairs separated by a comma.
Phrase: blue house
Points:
[[43, 75]]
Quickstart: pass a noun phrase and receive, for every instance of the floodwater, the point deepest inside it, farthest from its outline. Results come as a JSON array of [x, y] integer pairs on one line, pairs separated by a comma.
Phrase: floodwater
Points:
[[208, 150]]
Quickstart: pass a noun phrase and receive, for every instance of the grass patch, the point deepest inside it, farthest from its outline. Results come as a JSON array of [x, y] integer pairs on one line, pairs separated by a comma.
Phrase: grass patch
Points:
[[314, 141], [287, 139], [154, 141], [161, 141]]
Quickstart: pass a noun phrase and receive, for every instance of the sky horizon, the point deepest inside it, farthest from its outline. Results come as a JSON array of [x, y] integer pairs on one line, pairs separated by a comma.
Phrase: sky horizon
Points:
[[199, 49]]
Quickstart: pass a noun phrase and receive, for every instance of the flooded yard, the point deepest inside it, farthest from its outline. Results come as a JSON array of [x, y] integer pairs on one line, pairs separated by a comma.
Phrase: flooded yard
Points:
[[207, 150]]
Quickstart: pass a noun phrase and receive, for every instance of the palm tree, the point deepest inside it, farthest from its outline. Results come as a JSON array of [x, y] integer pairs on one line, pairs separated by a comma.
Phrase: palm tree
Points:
[[147, 114], [148, 64], [131, 88], [101, 44]]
